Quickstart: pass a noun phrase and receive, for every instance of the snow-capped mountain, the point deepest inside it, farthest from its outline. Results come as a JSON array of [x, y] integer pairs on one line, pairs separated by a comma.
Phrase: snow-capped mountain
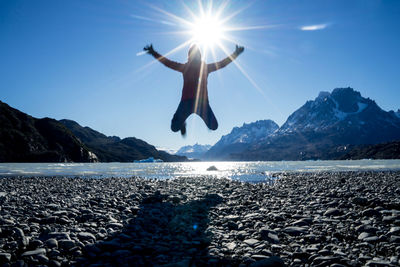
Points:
[[240, 138], [344, 113], [397, 113], [196, 151], [323, 128], [327, 109]]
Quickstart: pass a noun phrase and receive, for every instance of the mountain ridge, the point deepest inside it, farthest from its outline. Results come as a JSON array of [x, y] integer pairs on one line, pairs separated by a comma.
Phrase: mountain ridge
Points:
[[115, 149], [195, 151], [24, 138], [240, 138], [321, 128], [327, 127]]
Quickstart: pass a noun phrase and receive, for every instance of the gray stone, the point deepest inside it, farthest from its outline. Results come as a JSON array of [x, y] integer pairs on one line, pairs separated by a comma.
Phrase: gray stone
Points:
[[23, 241], [251, 242], [66, 244], [232, 225], [273, 261], [378, 263], [231, 245], [394, 230], [366, 228], [326, 260], [34, 252], [241, 235], [35, 243], [267, 233], [59, 235], [4, 221], [86, 236], [370, 213], [114, 225], [92, 249], [301, 222], [5, 257], [394, 239], [363, 235], [52, 243], [295, 231], [258, 257], [18, 232], [42, 258], [54, 263], [332, 212], [273, 238], [54, 253], [232, 217], [389, 219], [371, 239], [361, 201], [212, 168]]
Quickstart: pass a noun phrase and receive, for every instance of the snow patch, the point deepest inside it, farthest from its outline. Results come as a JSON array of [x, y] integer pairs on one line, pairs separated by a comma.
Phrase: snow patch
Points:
[[343, 115], [361, 107], [397, 113]]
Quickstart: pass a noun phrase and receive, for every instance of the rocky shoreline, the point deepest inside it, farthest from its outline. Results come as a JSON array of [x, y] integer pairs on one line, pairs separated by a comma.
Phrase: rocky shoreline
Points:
[[314, 219]]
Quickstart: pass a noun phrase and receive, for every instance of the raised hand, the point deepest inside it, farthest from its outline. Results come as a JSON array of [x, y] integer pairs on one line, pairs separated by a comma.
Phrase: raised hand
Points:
[[239, 49], [149, 49]]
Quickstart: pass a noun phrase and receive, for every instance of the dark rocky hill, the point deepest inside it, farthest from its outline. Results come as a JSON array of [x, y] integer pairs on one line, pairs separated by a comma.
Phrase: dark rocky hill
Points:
[[24, 138], [389, 150], [115, 149]]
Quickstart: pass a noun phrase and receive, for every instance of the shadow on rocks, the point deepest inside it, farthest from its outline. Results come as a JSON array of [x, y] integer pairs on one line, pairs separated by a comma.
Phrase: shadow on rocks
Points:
[[164, 231]]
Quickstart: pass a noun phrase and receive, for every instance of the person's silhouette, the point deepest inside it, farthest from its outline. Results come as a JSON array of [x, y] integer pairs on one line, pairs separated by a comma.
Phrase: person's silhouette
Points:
[[194, 93]]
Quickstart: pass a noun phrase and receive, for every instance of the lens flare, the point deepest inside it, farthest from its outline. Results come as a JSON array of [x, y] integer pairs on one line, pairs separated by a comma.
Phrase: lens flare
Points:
[[210, 26], [207, 31]]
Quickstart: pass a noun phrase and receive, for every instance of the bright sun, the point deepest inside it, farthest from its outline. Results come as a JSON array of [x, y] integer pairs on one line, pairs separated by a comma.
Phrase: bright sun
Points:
[[207, 31]]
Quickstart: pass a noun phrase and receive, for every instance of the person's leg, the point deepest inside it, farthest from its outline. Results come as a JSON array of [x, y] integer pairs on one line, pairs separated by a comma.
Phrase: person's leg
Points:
[[208, 116], [182, 113]]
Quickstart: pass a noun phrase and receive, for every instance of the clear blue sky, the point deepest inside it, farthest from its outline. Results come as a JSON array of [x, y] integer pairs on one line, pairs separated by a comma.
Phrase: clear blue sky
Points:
[[78, 60]]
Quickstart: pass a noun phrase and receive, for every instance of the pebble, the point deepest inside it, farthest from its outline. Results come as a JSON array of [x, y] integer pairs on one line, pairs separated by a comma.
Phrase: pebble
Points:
[[5, 257], [295, 231], [332, 212], [231, 245], [86, 236], [363, 235], [251, 242], [52, 243], [34, 252], [66, 244], [301, 220], [370, 213]]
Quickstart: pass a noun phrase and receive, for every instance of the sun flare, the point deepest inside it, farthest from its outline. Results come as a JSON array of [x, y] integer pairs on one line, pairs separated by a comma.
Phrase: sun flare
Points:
[[207, 31], [212, 27]]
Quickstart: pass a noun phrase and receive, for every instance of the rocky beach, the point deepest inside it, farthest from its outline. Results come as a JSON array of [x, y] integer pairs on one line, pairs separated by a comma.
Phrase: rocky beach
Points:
[[303, 219]]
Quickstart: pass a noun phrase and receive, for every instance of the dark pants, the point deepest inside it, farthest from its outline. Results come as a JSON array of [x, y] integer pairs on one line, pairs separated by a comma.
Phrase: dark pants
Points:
[[187, 107]]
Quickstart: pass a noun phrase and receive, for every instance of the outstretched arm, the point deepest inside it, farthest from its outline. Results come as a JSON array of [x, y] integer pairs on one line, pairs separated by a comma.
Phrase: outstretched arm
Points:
[[220, 64], [169, 63]]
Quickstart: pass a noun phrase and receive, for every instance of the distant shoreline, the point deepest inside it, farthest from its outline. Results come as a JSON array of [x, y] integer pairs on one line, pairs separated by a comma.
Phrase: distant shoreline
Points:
[[243, 171]]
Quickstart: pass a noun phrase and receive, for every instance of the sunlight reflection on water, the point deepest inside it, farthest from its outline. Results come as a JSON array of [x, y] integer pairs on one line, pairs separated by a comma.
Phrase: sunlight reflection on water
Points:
[[243, 171]]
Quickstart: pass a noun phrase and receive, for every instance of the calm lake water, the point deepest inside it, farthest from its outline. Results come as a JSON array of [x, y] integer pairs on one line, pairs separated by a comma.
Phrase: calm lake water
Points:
[[244, 171]]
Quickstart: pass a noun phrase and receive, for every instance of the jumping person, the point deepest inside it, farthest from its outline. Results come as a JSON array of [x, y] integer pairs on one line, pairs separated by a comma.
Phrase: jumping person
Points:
[[194, 93]]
